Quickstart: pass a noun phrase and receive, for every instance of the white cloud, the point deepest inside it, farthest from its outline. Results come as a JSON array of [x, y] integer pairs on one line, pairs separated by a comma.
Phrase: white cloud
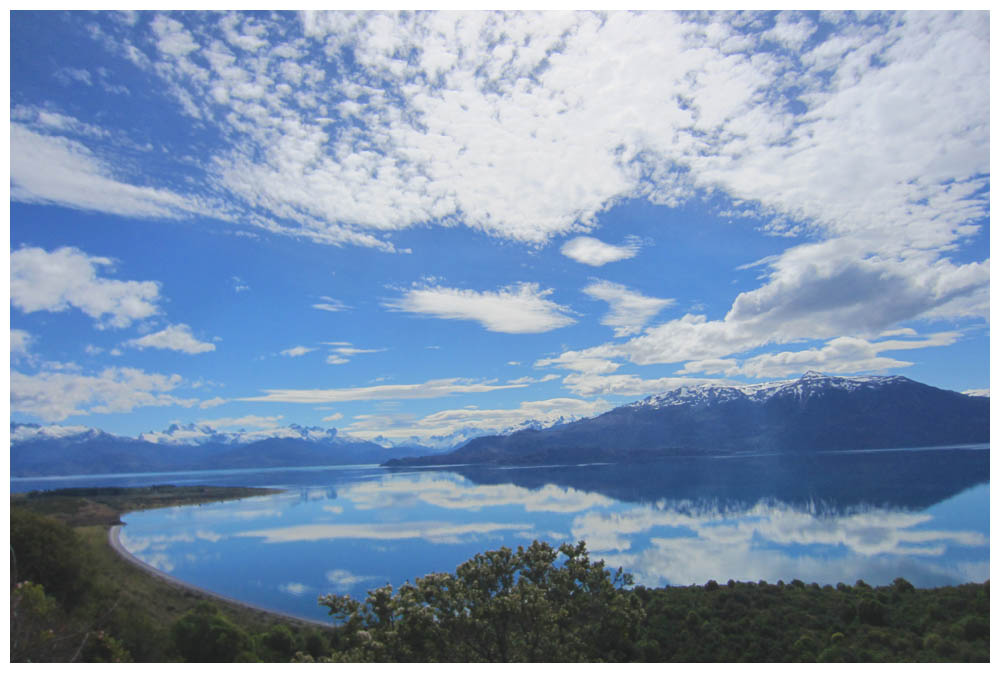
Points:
[[816, 291], [718, 541], [343, 352], [577, 361], [532, 379], [840, 355], [174, 338], [594, 252], [628, 384], [343, 580], [68, 277], [330, 304], [295, 588], [250, 421], [333, 417], [455, 422], [630, 311], [432, 531], [977, 392], [60, 171], [54, 396], [515, 309], [448, 493], [427, 390], [297, 351], [213, 402], [20, 344], [454, 117]]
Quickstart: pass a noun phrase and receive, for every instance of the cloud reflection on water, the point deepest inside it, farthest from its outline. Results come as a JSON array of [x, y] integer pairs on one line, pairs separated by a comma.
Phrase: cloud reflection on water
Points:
[[450, 492], [440, 532]]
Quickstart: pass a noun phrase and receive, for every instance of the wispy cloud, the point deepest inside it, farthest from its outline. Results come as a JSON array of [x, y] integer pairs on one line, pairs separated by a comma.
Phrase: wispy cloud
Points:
[[57, 170], [452, 422], [427, 390], [331, 304], [432, 531]]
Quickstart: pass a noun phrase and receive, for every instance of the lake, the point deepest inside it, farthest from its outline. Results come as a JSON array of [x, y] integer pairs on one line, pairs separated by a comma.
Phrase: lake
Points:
[[922, 514]]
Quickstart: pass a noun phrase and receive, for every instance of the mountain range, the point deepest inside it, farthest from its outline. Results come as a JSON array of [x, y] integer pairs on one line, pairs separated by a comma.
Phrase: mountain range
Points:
[[809, 414], [38, 451]]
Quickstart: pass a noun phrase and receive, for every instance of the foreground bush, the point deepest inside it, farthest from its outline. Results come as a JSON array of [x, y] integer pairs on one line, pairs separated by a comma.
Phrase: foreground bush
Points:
[[534, 604]]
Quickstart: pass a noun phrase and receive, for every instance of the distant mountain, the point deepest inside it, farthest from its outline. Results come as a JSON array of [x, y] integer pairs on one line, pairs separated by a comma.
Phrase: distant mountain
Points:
[[812, 413], [37, 451]]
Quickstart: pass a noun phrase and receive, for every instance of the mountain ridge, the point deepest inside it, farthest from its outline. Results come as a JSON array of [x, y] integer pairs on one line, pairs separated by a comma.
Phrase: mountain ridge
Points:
[[811, 413]]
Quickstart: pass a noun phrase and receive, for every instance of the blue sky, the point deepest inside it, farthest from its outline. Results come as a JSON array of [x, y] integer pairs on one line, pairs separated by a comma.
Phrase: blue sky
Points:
[[417, 226]]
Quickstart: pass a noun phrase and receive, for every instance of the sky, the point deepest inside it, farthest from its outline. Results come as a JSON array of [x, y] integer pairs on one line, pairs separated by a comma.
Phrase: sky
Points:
[[422, 226]]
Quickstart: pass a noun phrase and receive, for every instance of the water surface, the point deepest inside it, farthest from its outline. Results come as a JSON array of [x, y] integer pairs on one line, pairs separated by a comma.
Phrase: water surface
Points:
[[828, 518]]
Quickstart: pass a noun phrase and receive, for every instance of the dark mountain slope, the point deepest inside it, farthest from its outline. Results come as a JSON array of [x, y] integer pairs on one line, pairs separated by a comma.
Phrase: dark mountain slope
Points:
[[813, 413]]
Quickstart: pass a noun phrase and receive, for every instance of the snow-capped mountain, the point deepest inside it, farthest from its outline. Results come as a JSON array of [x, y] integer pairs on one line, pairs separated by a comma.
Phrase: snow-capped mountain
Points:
[[37, 450], [811, 413], [811, 383]]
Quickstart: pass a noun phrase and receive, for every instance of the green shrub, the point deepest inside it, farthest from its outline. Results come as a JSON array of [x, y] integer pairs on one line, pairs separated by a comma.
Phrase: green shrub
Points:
[[204, 635]]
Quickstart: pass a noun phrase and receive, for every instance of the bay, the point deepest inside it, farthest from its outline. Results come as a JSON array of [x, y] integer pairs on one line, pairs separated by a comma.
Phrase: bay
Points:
[[826, 518]]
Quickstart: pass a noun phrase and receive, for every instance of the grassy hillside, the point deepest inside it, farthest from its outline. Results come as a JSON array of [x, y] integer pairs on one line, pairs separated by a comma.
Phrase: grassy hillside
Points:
[[97, 606]]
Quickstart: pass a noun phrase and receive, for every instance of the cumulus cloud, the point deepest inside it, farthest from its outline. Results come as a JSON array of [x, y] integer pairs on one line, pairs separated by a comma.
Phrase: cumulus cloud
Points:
[[56, 395], [70, 278], [630, 311], [173, 338], [515, 309], [413, 391], [592, 251]]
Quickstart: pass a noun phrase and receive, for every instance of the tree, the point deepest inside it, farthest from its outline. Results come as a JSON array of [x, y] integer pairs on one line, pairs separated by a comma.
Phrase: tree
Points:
[[47, 552], [534, 604]]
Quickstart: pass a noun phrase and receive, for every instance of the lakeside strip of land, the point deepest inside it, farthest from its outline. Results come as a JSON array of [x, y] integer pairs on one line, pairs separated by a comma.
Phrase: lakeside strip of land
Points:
[[90, 510], [115, 543]]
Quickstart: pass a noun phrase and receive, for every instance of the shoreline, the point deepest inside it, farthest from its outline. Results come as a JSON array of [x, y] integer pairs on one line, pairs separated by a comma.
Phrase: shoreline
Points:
[[114, 542]]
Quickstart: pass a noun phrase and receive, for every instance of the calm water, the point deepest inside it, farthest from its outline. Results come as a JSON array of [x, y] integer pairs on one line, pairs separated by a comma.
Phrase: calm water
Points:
[[921, 514]]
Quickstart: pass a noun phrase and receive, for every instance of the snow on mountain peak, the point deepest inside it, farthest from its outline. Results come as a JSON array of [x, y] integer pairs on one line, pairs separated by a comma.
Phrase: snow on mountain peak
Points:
[[809, 382]]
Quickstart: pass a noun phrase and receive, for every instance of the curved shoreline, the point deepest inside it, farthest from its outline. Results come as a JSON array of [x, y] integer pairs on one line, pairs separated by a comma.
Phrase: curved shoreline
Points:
[[115, 543]]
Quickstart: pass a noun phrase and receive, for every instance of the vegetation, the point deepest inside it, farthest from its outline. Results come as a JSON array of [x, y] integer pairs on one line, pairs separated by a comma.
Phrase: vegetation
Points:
[[74, 599]]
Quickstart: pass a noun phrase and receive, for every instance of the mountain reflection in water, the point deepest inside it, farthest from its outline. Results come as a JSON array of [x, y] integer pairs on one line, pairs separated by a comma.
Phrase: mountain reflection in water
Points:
[[827, 518]]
